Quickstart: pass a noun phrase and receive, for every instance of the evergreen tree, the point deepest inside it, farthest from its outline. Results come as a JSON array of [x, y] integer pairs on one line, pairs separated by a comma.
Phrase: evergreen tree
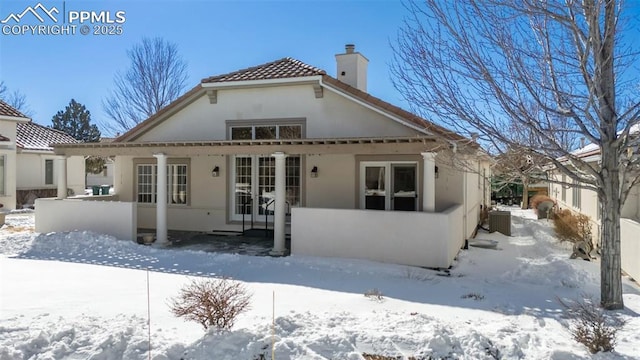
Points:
[[75, 120]]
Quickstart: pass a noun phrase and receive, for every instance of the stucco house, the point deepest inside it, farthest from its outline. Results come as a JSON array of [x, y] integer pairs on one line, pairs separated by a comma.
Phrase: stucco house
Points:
[[29, 169], [586, 202], [287, 146]]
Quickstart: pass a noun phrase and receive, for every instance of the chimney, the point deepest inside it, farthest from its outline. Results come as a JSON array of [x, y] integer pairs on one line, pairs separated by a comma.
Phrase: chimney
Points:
[[352, 68]]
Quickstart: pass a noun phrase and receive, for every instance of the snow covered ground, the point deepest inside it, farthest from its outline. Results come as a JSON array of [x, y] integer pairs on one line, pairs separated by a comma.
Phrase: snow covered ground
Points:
[[81, 295]]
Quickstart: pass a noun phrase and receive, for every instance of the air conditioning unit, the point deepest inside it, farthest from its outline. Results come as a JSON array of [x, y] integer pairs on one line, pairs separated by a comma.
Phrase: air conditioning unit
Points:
[[500, 221]]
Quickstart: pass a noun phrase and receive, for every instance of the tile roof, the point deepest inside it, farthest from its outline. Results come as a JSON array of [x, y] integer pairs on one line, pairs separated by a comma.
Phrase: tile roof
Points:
[[279, 69], [8, 110], [32, 136]]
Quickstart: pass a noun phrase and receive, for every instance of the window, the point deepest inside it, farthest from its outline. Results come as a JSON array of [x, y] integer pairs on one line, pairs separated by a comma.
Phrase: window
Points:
[[576, 193], [2, 174], [177, 179], [266, 132], [48, 172], [563, 188]]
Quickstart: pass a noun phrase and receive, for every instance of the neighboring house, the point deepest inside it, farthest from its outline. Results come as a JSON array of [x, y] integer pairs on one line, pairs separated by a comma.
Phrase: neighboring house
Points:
[[283, 143], [9, 117], [28, 168], [586, 202], [106, 176]]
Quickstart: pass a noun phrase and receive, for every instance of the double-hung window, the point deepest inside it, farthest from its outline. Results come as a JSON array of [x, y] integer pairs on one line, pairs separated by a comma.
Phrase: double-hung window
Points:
[[48, 172], [177, 183], [576, 196]]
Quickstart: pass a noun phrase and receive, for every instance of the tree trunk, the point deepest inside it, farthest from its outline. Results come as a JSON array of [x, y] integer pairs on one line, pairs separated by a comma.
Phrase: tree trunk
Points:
[[525, 193], [610, 265]]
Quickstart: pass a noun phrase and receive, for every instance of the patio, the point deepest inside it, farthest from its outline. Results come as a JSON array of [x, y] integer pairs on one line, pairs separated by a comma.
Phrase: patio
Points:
[[223, 243]]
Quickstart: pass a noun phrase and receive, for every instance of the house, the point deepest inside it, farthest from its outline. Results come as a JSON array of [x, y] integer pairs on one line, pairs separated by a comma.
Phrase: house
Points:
[[28, 163], [283, 145], [585, 201], [106, 176]]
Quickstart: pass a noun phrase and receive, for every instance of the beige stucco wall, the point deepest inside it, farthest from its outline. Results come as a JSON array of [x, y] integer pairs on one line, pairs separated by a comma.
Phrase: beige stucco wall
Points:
[[8, 150], [326, 117], [101, 178], [335, 186], [31, 172]]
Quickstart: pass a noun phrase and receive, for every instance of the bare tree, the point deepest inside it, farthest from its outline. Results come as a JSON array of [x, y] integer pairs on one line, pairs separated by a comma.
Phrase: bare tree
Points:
[[16, 99], [556, 70], [156, 77]]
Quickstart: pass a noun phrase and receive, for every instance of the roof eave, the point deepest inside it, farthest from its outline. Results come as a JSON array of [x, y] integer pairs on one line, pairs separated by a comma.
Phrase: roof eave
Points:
[[15, 118], [303, 80]]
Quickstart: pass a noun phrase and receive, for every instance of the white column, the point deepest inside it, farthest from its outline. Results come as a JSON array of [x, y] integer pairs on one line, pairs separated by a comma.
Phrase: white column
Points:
[[279, 207], [429, 182], [62, 176], [161, 200]]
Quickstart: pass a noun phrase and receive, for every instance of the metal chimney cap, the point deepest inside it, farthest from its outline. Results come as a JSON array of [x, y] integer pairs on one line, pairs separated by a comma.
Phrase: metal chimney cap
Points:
[[350, 48]]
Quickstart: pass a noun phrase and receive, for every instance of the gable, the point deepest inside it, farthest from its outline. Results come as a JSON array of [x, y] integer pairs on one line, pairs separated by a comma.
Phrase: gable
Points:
[[331, 116]]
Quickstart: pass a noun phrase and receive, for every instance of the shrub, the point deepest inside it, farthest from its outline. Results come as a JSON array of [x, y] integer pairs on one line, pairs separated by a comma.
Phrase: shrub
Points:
[[572, 227], [537, 199], [212, 303], [374, 294], [592, 326]]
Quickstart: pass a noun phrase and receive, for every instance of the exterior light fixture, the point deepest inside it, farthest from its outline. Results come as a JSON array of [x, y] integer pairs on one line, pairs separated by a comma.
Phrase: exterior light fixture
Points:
[[216, 171], [436, 172], [314, 172]]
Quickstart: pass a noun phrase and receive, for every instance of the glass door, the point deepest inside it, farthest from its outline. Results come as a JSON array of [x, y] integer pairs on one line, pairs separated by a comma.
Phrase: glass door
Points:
[[405, 194], [375, 193], [254, 180], [389, 186]]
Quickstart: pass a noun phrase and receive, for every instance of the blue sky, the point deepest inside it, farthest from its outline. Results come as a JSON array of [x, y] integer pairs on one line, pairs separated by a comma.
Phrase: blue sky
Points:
[[214, 37]]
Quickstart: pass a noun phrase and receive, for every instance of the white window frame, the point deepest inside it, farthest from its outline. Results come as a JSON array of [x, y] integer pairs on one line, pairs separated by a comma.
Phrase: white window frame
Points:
[[576, 196], [53, 172], [388, 165], [172, 198], [3, 174]]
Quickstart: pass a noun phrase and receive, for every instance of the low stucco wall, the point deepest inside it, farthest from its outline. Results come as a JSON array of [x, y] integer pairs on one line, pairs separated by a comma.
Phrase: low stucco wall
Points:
[[408, 238], [113, 218], [630, 247]]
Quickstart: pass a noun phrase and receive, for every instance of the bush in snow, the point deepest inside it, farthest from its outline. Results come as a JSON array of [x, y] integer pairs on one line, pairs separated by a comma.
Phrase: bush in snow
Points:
[[212, 303], [374, 294], [572, 227], [592, 325]]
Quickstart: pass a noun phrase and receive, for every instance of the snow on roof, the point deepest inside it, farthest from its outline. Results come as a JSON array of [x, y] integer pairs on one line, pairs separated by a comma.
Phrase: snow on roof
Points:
[[32, 136]]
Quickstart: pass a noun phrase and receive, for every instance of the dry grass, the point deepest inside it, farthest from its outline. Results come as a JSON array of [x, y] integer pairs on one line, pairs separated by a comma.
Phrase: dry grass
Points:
[[592, 326], [572, 227]]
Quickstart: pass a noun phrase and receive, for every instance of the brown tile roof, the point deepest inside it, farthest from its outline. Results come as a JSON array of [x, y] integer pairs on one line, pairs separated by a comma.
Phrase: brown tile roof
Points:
[[32, 136], [8, 110], [291, 68], [279, 69]]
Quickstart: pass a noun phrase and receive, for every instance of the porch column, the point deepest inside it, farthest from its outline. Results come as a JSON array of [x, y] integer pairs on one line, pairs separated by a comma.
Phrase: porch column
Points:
[[161, 200], [62, 177], [279, 206], [429, 182]]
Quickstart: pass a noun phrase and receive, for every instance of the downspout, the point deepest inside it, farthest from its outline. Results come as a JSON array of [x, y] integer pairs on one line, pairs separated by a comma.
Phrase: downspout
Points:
[[464, 201]]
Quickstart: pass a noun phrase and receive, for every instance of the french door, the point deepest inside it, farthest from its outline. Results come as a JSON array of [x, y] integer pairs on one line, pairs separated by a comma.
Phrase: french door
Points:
[[389, 186], [253, 185]]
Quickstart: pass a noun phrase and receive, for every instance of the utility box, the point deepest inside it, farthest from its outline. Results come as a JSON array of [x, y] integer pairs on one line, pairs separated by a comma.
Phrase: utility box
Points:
[[500, 221]]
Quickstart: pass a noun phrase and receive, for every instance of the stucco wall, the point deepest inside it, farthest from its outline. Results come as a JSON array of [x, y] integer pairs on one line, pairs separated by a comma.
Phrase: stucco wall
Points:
[[416, 238], [8, 150], [335, 186], [113, 218], [630, 247], [326, 117], [31, 172]]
